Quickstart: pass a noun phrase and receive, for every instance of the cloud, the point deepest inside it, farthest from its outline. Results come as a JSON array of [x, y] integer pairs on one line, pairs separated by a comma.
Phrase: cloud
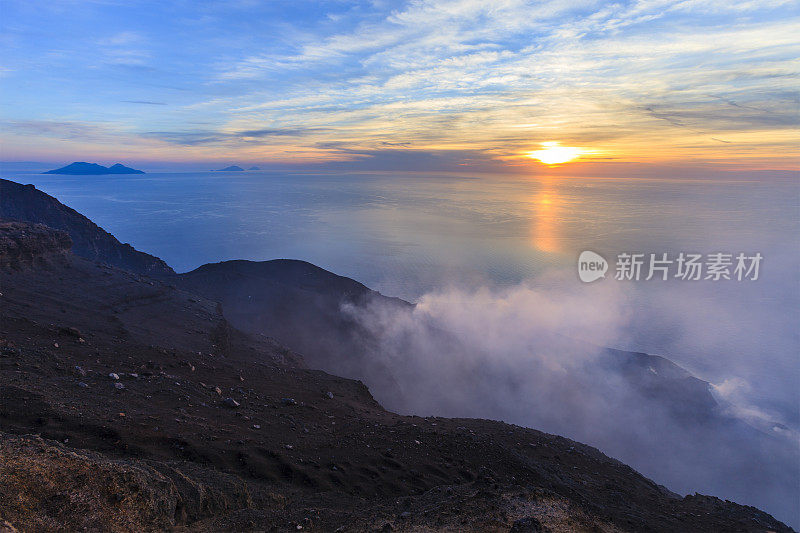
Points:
[[460, 75], [296, 132], [734, 393], [579, 71], [402, 158], [186, 138], [532, 355], [201, 137], [63, 130], [124, 38], [125, 48], [143, 102]]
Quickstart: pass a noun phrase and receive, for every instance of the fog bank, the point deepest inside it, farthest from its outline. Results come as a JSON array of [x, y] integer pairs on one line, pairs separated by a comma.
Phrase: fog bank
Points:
[[535, 355]]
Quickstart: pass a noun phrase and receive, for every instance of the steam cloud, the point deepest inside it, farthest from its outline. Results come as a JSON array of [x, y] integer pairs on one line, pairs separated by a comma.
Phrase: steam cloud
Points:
[[534, 355]]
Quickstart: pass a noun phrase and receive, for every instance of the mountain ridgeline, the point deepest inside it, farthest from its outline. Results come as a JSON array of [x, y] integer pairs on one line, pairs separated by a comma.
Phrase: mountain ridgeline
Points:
[[194, 401], [26, 203]]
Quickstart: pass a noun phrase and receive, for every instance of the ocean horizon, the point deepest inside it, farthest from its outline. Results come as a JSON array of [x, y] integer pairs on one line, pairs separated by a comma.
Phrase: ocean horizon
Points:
[[412, 234]]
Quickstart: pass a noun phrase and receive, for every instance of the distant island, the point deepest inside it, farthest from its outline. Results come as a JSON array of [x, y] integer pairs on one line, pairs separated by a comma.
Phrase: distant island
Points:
[[80, 168], [254, 168], [232, 168]]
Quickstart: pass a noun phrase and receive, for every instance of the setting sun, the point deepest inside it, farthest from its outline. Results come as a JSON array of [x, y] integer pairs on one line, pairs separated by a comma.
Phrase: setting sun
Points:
[[553, 154]]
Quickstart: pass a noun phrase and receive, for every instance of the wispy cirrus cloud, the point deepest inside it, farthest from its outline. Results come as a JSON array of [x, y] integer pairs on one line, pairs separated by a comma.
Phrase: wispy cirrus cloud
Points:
[[207, 137], [598, 68], [495, 78], [143, 102], [124, 48], [57, 129]]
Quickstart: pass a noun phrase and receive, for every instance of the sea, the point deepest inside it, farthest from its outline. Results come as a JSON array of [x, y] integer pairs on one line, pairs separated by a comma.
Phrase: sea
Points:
[[407, 234], [414, 234]]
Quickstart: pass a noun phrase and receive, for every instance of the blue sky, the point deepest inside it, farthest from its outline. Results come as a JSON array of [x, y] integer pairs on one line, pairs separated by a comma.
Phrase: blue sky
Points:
[[459, 82]]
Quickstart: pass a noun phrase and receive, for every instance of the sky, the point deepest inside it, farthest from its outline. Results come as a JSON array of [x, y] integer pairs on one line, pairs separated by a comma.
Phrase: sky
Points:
[[414, 85]]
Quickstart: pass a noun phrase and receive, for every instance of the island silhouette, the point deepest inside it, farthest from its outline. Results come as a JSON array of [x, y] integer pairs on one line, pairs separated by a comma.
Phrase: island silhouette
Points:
[[81, 168]]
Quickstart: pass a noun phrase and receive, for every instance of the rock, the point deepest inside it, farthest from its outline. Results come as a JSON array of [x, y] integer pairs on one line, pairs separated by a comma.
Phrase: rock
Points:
[[119, 386], [5, 351], [218, 390], [256, 426], [70, 332], [288, 401], [329, 394], [82, 385], [528, 524], [230, 402], [113, 376], [486, 476]]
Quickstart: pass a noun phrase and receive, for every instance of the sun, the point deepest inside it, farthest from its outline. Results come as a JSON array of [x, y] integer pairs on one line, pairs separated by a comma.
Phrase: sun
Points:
[[554, 154]]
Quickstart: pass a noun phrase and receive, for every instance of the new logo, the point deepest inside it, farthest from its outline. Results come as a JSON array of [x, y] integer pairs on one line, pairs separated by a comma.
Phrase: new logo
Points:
[[591, 266]]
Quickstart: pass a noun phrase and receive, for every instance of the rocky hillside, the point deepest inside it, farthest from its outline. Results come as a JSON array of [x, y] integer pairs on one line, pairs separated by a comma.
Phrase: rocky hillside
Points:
[[286, 298], [283, 299], [25, 244], [128, 404], [26, 203], [177, 427]]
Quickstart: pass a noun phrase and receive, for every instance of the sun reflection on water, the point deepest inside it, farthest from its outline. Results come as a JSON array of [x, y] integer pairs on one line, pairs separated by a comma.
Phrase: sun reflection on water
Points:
[[547, 208]]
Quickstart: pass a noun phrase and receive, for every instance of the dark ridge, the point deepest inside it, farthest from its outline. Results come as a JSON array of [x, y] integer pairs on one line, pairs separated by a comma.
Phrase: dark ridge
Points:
[[182, 420], [299, 274], [128, 404], [27, 204], [283, 298]]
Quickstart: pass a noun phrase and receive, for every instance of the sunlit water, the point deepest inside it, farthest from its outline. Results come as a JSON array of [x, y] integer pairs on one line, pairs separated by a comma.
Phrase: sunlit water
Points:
[[408, 234], [412, 233]]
